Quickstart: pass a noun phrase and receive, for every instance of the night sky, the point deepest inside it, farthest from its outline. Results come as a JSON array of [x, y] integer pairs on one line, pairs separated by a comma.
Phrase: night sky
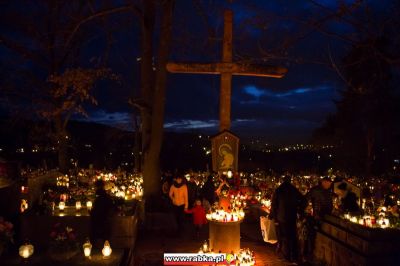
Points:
[[275, 110]]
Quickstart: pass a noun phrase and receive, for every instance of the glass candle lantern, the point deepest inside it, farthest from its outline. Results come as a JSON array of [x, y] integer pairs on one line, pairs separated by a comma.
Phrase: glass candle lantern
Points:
[[89, 205], [87, 248], [26, 250], [106, 249], [78, 205], [61, 205]]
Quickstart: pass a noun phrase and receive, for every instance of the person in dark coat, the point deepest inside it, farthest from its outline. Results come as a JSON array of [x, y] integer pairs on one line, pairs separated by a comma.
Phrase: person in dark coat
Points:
[[349, 199], [287, 201], [192, 191], [321, 197], [101, 214], [208, 190]]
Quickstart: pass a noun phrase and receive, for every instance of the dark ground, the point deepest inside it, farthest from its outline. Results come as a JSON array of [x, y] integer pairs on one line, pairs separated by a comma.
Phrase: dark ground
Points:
[[151, 245]]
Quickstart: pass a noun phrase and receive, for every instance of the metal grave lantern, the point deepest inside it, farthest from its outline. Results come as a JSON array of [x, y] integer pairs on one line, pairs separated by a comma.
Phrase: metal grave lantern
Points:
[[225, 149]]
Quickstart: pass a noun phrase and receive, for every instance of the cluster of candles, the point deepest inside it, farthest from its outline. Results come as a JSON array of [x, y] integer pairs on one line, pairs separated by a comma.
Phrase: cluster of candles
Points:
[[226, 216], [78, 205], [134, 190], [63, 181], [238, 201], [233, 213], [244, 257], [26, 250], [266, 204], [370, 220], [87, 249], [106, 177], [126, 187]]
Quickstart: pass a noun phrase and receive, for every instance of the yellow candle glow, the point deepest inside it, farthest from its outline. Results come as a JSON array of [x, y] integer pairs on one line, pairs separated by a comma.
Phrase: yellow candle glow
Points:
[[89, 205], [87, 248], [26, 250], [229, 174], [61, 205], [106, 249], [205, 246], [78, 205]]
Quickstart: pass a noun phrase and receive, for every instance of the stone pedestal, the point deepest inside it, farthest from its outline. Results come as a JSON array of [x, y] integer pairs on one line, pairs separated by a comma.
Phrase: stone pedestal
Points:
[[224, 236]]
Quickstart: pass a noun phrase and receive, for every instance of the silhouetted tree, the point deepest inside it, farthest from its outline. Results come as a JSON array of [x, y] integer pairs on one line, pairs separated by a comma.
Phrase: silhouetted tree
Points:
[[365, 124], [43, 39], [153, 87]]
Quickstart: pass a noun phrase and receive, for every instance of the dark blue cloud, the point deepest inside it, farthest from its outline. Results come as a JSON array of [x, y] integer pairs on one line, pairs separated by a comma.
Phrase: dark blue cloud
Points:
[[122, 120], [278, 110]]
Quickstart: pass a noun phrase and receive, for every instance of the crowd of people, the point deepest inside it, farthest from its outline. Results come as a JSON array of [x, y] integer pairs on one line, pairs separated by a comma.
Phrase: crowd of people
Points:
[[298, 204], [297, 216], [187, 196], [289, 208]]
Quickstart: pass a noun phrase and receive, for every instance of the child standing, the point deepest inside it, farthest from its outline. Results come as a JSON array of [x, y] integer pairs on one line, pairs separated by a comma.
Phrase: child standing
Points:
[[199, 216]]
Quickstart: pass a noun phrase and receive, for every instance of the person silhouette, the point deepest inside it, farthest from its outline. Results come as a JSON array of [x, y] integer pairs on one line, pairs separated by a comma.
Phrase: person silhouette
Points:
[[101, 215]]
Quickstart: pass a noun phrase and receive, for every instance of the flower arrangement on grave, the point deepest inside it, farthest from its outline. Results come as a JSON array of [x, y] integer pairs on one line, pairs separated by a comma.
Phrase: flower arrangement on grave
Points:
[[6, 234], [63, 242]]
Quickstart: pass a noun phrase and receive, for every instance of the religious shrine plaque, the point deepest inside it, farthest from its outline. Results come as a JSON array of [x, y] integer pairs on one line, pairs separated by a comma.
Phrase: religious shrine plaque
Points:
[[225, 148]]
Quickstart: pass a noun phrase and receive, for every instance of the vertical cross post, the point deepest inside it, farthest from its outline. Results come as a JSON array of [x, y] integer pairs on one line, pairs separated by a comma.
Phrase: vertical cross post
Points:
[[226, 77]]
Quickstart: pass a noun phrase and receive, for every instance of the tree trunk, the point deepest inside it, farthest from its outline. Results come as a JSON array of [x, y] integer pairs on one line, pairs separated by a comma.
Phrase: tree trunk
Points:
[[147, 73], [62, 142], [151, 171], [370, 151], [137, 148]]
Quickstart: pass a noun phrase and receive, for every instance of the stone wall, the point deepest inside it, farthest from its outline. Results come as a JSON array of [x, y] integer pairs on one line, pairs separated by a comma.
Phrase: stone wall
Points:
[[343, 243]]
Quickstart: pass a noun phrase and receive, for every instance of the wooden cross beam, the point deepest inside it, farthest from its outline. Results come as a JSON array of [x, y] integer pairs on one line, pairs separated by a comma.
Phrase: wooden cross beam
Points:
[[226, 69]]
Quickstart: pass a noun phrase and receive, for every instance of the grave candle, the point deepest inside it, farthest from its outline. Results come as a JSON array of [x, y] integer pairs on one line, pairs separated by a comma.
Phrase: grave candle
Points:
[[106, 249], [87, 248], [26, 250]]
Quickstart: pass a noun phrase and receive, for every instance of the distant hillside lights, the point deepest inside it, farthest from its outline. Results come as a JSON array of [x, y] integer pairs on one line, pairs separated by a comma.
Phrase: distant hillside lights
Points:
[[267, 148], [35, 149]]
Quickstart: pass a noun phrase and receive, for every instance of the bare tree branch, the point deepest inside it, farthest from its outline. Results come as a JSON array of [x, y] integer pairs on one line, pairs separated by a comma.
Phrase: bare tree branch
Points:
[[100, 14], [24, 51]]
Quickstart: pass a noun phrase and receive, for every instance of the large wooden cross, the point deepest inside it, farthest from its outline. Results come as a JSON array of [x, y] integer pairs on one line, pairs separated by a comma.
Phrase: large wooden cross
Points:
[[226, 69]]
